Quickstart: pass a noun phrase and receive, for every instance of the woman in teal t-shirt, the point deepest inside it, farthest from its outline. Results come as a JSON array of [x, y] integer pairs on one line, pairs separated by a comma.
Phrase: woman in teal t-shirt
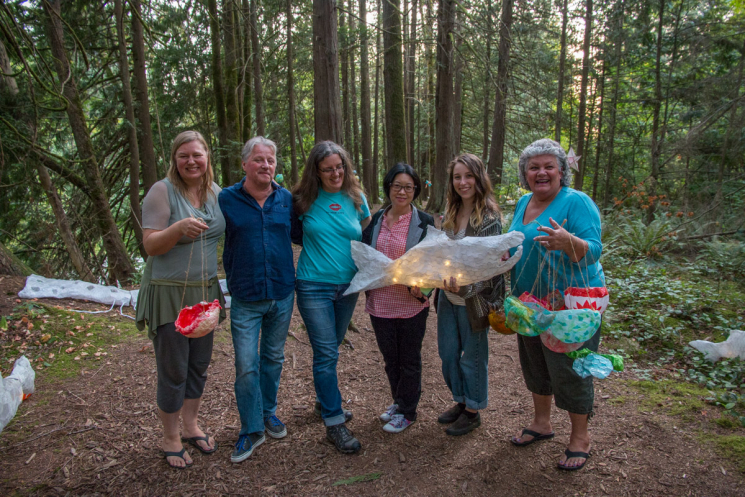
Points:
[[562, 249], [330, 207]]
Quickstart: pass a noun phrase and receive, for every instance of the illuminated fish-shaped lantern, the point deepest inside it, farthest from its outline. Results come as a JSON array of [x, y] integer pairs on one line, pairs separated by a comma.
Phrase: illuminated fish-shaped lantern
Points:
[[434, 259]]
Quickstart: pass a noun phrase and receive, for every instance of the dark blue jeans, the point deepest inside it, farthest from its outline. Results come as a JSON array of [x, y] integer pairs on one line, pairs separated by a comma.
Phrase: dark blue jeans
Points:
[[326, 313]]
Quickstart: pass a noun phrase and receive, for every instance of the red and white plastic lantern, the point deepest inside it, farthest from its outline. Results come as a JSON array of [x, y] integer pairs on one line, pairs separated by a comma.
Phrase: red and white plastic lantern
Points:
[[198, 320], [596, 298]]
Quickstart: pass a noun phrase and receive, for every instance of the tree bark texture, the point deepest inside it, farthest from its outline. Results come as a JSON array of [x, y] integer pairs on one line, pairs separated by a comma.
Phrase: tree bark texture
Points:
[[246, 71], [256, 49], [63, 225], [614, 102], [458, 95], [365, 120], [326, 95], [496, 153], [579, 178], [120, 267], [217, 83], [353, 89], [487, 84], [230, 29], [142, 109], [443, 105], [12, 265], [344, 56], [596, 170], [134, 153], [411, 84], [291, 97], [562, 69], [395, 120]]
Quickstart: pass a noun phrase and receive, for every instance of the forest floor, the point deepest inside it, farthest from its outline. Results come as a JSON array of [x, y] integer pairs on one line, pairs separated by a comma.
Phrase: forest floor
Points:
[[91, 427]]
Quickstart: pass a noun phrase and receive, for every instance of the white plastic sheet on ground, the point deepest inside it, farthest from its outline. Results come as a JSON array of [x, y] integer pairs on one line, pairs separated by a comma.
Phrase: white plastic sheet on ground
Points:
[[435, 259], [13, 388], [39, 287], [734, 346]]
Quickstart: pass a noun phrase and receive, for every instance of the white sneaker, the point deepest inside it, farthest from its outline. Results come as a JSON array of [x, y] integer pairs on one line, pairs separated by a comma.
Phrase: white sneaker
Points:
[[389, 412], [397, 424]]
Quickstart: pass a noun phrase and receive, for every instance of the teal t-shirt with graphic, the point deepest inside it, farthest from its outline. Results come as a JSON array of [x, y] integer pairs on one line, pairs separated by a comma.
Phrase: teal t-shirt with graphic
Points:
[[329, 226]]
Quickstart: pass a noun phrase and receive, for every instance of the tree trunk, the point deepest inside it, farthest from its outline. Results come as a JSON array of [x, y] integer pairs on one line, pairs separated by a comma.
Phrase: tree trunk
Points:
[[429, 162], [12, 265], [458, 95], [656, 144], [353, 87], [376, 127], [395, 121], [256, 49], [63, 226], [120, 267], [231, 83], [411, 84], [614, 104], [596, 171], [444, 105], [496, 154], [326, 101], [134, 154], [291, 97], [365, 102], [222, 122], [247, 74], [487, 83], [562, 69], [579, 178], [142, 110], [343, 55]]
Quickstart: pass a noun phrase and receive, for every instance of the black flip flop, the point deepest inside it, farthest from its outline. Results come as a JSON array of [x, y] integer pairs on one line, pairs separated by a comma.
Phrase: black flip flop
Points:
[[571, 454], [180, 454], [537, 437], [206, 439]]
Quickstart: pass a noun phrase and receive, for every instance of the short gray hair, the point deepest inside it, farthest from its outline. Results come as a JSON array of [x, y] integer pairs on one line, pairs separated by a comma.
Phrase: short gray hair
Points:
[[257, 140], [544, 147]]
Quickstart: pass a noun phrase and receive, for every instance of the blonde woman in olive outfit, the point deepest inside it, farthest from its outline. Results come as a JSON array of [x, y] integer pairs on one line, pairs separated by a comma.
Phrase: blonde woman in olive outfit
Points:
[[399, 313], [182, 224], [463, 311]]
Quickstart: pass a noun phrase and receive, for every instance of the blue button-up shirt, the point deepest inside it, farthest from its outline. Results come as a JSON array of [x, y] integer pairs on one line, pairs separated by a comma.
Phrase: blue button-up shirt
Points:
[[258, 252]]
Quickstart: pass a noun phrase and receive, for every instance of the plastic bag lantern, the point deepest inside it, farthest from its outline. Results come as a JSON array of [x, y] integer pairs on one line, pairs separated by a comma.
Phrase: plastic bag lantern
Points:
[[434, 259], [556, 345], [596, 298], [14, 389], [569, 326], [198, 320], [498, 322]]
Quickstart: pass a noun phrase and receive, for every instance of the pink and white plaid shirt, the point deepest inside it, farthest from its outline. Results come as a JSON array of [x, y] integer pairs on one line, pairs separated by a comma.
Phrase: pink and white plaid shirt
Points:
[[395, 301]]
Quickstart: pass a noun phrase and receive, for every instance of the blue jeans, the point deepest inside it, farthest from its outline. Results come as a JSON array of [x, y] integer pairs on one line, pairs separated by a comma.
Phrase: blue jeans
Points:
[[464, 353], [257, 371], [326, 313]]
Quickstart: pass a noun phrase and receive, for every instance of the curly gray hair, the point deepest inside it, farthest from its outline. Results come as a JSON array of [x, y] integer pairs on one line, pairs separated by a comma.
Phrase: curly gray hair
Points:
[[544, 147]]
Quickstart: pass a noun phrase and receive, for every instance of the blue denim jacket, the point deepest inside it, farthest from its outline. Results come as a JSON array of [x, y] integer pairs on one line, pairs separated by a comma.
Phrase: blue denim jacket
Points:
[[258, 257]]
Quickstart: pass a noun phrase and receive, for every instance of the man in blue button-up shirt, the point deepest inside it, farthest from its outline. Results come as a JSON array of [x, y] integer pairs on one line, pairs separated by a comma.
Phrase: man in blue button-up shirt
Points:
[[261, 280]]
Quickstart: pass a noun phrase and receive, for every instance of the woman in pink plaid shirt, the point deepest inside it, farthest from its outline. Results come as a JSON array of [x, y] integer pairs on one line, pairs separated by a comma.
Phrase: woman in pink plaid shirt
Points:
[[399, 313]]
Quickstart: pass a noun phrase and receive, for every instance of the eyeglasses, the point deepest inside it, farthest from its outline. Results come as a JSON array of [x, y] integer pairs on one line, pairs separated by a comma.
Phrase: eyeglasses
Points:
[[397, 188], [340, 168]]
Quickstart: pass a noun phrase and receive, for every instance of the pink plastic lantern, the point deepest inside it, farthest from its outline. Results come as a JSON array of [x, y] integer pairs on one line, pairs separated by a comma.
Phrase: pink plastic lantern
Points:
[[198, 320]]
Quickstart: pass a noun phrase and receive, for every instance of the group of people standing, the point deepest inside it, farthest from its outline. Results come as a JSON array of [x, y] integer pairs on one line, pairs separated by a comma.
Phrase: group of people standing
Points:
[[185, 215]]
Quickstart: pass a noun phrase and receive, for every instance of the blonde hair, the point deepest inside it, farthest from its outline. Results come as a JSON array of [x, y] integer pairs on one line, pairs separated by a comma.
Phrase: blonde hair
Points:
[[205, 189], [484, 203], [306, 191]]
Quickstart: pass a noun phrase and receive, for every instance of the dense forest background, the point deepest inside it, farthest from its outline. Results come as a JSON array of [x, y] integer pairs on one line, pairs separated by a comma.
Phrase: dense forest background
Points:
[[648, 93]]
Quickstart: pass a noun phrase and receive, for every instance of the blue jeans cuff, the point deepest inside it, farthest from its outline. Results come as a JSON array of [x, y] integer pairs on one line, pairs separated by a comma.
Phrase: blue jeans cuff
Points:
[[334, 420], [477, 406]]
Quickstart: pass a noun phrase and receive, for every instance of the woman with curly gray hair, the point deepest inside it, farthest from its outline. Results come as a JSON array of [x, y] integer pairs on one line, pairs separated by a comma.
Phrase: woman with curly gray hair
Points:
[[563, 247]]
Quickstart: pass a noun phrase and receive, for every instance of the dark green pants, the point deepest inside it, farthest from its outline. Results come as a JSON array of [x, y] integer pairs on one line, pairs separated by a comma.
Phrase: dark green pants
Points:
[[550, 373]]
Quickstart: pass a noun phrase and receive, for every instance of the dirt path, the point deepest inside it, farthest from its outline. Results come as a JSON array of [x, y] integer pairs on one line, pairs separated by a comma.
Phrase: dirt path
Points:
[[99, 434]]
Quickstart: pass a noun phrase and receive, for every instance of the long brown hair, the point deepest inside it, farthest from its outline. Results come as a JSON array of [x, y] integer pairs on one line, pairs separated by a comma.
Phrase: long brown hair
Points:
[[205, 189], [484, 203], [306, 192]]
